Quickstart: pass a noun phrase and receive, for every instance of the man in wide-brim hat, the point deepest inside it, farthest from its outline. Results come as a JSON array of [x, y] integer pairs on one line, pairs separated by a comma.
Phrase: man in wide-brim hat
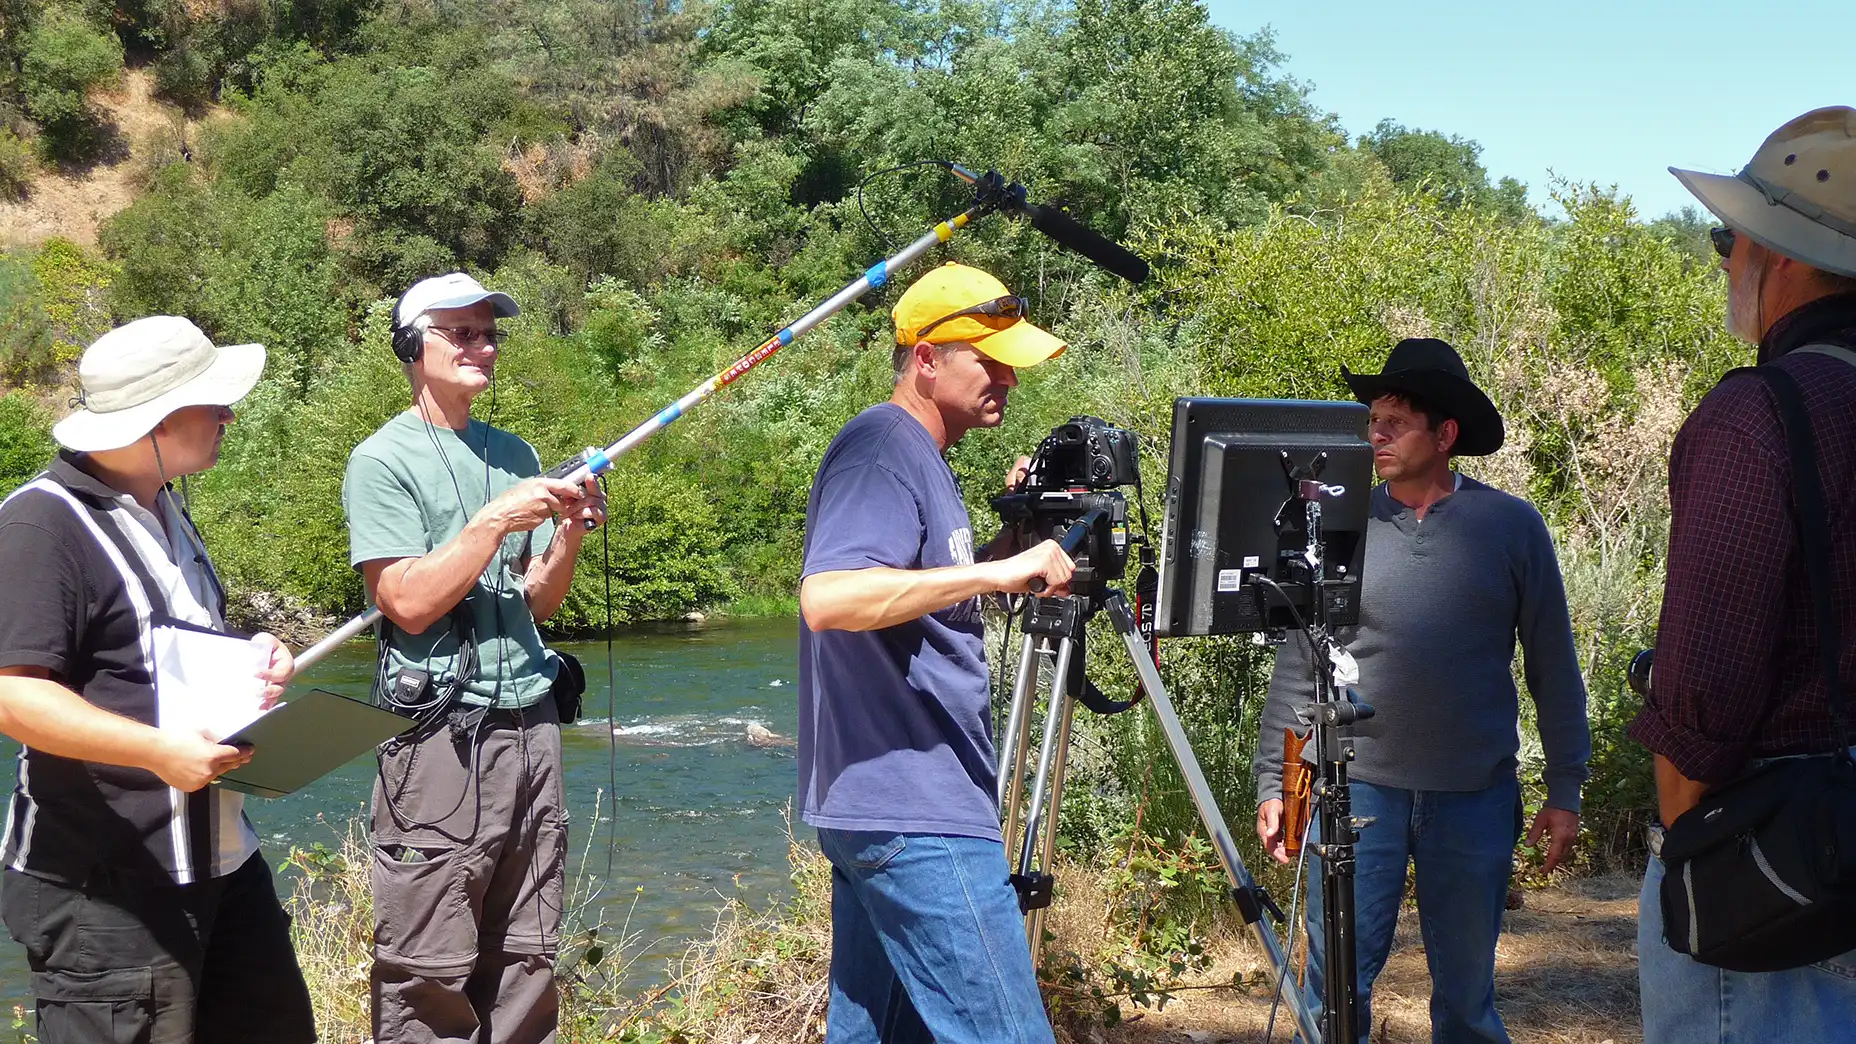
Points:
[[137, 890], [1738, 651], [1456, 574]]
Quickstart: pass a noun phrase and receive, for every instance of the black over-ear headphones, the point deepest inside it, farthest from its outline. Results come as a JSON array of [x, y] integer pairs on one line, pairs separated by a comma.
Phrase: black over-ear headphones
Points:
[[408, 342]]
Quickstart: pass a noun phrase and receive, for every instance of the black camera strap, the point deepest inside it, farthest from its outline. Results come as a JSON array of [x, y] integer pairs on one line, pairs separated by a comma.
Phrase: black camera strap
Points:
[[1813, 534]]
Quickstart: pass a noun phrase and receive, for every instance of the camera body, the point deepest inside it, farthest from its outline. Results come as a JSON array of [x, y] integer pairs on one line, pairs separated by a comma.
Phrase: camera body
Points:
[[1076, 473]]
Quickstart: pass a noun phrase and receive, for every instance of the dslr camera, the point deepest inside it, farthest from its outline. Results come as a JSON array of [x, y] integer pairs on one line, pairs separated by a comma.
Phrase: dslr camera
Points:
[[1075, 476]]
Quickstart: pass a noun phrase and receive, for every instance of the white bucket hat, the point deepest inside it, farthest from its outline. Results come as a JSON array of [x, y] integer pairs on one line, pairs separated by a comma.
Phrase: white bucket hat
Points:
[[138, 373], [456, 290], [1798, 195]]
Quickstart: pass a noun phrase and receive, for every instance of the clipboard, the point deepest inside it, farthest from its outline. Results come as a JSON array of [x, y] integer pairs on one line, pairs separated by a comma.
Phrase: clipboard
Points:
[[303, 740]]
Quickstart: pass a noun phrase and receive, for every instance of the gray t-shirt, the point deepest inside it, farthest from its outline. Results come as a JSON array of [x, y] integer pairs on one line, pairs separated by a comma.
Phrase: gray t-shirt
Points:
[[1443, 603], [410, 487]]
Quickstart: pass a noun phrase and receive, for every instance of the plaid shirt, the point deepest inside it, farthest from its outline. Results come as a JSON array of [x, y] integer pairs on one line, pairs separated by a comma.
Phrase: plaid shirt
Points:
[[1737, 673]]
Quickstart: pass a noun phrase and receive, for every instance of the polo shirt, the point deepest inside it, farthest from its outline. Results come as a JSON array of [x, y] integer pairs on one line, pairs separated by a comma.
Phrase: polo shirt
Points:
[[93, 575]]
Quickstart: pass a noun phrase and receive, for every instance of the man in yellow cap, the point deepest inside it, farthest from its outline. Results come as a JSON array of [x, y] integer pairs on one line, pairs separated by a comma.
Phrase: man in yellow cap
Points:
[[896, 765]]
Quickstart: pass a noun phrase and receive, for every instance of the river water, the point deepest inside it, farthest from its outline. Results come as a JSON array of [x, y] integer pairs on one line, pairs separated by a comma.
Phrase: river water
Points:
[[700, 814]]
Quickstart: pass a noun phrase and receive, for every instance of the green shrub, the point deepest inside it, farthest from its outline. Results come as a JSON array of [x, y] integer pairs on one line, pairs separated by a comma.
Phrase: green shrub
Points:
[[25, 440], [66, 56], [17, 167], [73, 289]]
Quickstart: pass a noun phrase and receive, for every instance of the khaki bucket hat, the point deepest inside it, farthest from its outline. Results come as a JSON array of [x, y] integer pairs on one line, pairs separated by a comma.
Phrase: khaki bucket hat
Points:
[[1798, 195], [138, 373]]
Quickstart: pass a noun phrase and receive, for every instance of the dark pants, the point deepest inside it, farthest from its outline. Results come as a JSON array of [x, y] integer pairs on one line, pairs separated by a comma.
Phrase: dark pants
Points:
[[470, 856], [116, 963]]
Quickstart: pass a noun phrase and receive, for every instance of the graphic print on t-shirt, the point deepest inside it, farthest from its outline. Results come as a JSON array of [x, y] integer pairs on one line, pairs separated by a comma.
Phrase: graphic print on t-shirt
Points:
[[960, 549]]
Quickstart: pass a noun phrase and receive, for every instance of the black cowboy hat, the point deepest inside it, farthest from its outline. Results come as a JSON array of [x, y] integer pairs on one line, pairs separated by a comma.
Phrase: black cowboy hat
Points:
[[1431, 370]]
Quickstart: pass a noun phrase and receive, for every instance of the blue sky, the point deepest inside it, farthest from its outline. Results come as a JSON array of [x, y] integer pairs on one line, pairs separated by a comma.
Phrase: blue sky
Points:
[[1606, 92]]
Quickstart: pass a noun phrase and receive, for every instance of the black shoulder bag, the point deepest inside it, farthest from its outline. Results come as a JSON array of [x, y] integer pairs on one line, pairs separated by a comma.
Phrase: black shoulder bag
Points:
[[1761, 874]]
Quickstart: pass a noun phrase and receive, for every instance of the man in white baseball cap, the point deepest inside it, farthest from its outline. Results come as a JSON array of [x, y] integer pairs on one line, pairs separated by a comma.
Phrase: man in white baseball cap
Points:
[[137, 891], [1740, 649], [455, 533]]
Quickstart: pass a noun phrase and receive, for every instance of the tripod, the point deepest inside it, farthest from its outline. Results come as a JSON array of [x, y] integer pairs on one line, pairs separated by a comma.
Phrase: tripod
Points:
[[1062, 620], [1055, 628]]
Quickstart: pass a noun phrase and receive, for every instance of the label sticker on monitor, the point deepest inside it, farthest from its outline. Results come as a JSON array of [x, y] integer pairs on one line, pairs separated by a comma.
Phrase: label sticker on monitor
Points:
[[1230, 580], [1252, 562]]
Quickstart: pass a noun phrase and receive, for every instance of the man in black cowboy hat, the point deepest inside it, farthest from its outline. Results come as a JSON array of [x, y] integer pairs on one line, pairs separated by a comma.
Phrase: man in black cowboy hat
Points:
[[1456, 573]]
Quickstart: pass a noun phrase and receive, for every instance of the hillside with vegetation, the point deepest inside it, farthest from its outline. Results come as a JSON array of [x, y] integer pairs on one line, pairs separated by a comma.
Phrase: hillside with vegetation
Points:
[[661, 185]]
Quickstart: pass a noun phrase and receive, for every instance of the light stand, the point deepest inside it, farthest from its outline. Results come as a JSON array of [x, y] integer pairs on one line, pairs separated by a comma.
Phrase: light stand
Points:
[[1332, 716]]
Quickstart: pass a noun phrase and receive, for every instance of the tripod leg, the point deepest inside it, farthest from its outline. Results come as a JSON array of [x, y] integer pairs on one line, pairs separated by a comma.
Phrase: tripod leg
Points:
[[1034, 926], [1015, 743], [1051, 753], [1244, 887]]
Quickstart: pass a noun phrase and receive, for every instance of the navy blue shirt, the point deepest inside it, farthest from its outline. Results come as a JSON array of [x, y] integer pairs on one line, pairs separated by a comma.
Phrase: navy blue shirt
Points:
[[895, 730]]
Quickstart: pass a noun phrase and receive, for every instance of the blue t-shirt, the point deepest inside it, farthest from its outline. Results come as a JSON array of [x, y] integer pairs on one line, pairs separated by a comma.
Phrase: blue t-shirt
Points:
[[895, 729]]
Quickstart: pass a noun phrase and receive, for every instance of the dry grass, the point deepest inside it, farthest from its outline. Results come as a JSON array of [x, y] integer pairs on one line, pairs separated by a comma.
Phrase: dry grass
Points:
[[1565, 971], [75, 205], [1565, 968]]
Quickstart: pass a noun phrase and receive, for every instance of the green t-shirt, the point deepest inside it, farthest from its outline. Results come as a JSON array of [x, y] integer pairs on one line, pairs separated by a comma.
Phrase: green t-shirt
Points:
[[410, 487]]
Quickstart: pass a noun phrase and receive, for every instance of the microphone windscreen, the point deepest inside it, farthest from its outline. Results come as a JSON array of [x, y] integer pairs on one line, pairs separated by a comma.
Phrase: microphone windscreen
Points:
[[1074, 235]]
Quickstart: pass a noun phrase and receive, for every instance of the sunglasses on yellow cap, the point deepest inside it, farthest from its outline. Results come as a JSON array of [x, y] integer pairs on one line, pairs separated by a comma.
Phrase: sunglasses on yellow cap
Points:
[[1008, 307]]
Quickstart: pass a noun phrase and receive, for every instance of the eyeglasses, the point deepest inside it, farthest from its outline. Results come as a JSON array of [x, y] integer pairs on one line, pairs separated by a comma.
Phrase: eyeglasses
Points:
[[1008, 307], [1723, 240], [465, 336]]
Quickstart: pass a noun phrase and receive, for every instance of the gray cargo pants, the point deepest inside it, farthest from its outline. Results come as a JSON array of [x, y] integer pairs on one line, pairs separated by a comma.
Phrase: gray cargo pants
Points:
[[470, 852]]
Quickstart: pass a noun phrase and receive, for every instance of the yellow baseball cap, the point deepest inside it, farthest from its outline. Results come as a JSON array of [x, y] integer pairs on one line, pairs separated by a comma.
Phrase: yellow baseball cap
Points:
[[945, 306]]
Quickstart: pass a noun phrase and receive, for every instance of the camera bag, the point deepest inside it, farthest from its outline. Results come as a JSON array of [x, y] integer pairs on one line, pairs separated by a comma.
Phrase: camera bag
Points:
[[1761, 874]]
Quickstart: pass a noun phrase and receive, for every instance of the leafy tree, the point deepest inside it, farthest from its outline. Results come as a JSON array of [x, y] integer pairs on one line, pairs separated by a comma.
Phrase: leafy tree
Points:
[[1448, 167], [65, 56], [411, 154]]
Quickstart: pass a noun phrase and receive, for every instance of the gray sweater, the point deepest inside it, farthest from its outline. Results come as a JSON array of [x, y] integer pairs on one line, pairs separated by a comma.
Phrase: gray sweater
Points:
[[1442, 601]]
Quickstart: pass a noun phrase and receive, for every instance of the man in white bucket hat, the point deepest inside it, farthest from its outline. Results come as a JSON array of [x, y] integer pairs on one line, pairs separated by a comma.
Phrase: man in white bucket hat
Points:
[[1739, 676], [136, 889]]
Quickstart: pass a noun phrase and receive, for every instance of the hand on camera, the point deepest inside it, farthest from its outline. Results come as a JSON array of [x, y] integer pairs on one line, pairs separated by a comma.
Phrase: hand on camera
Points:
[[1046, 562], [1270, 830], [188, 761], [1016, 474], [529, 503]]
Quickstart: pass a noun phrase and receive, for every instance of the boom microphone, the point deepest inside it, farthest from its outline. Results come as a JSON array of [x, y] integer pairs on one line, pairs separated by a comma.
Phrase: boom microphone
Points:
[[1064, 230], [1072, 234]]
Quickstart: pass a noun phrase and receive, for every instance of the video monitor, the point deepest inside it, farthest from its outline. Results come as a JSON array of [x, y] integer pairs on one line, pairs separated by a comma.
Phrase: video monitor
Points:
[[1233, 514]]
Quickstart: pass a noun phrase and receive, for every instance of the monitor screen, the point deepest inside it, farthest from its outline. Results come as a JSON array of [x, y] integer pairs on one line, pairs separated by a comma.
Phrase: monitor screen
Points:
[[1233, 514]]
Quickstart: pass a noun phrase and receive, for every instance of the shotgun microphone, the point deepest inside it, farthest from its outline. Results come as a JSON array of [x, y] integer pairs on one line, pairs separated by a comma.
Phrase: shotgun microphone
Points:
[[1064, 230], [1071, 234]]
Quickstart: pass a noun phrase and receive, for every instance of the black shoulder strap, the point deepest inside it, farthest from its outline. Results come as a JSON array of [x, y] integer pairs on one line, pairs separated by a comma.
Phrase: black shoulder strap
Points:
[[1813, 532]]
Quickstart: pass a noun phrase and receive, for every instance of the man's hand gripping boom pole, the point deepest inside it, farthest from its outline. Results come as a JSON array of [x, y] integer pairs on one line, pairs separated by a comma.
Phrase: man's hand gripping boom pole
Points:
[[599, 461]]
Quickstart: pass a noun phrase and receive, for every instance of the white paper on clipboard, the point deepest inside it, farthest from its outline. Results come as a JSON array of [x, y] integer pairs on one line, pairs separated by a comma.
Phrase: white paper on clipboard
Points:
[[207, 681]]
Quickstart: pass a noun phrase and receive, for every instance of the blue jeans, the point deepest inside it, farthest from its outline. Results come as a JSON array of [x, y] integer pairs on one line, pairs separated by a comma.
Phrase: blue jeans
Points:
[[1463, 847], [1687, 1002], [927, 943]]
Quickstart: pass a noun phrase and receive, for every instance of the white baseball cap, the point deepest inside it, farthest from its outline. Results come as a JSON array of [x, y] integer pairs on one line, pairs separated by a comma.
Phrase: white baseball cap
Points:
[[138, 373], [456, 290], [1798, 195]]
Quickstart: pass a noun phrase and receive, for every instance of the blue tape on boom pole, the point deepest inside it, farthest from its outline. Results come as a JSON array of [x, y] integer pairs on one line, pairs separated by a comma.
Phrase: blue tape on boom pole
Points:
[[786, 337], [669, 414], [878, 274], [598, 463]]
